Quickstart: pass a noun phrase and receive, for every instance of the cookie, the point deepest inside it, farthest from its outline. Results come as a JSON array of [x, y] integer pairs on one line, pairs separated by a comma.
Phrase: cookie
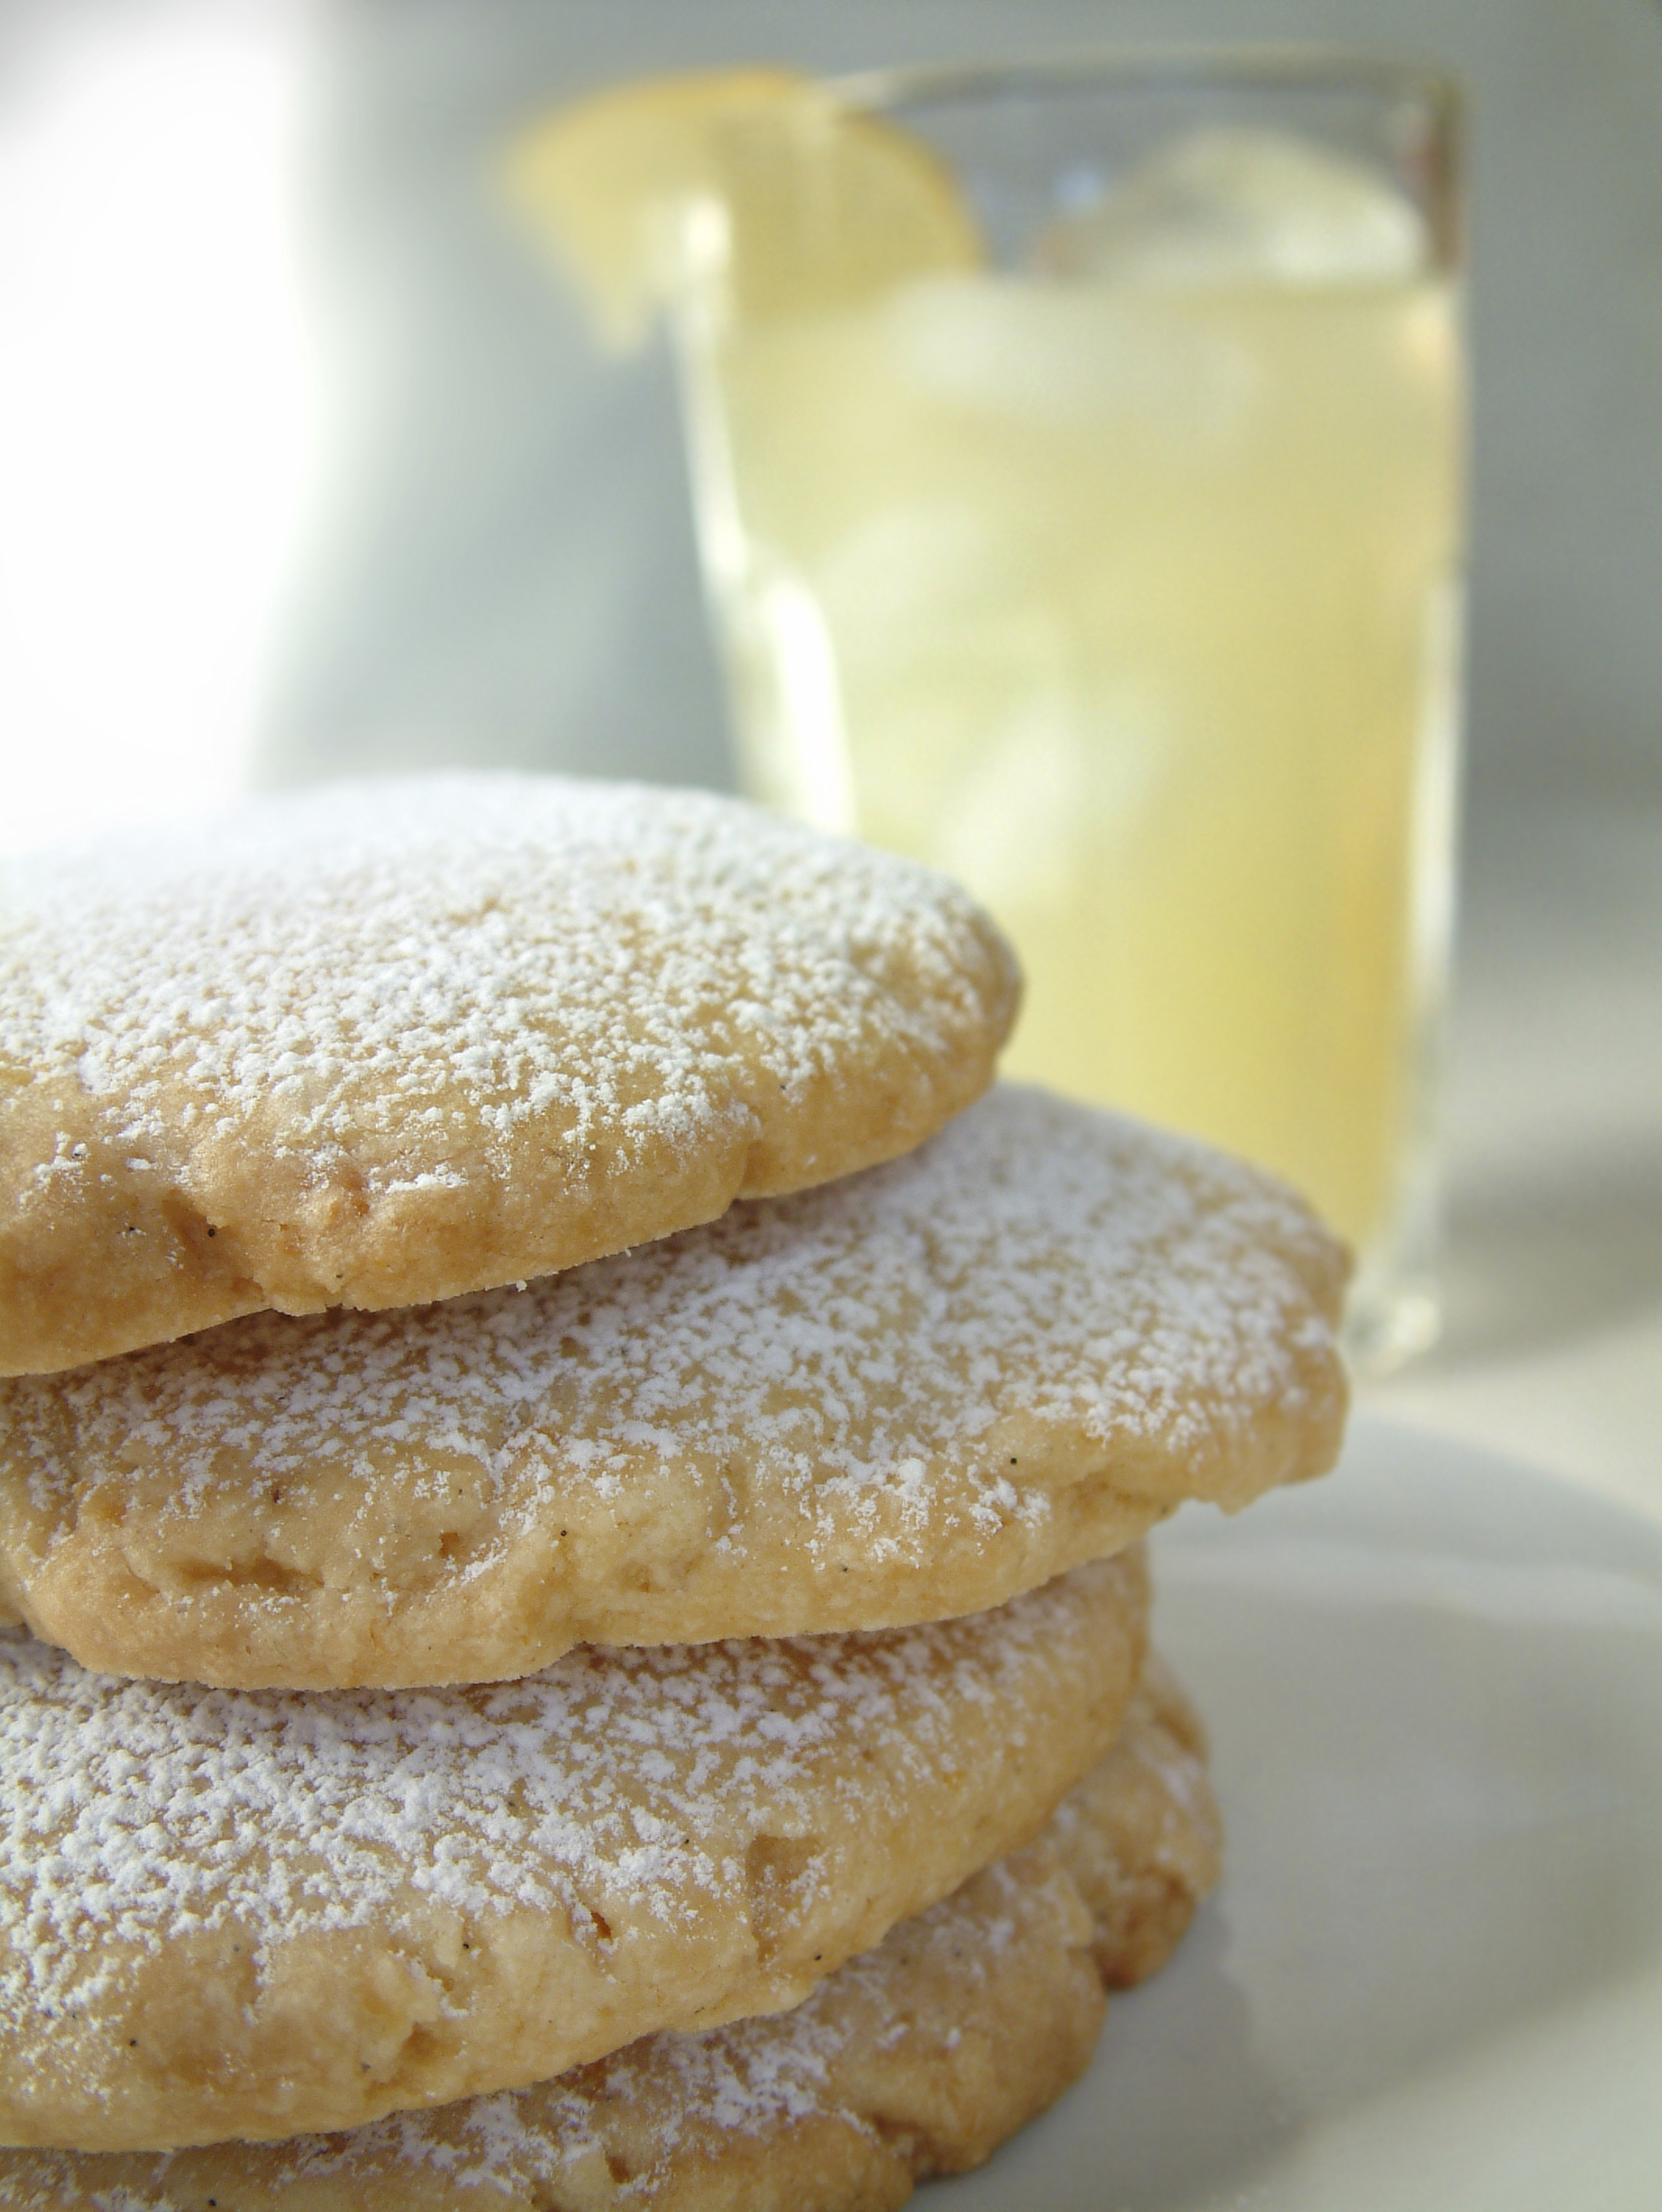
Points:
[[1140, 1835], [381, 1044], [919, 2057], [251, 1914], [900, 1397]]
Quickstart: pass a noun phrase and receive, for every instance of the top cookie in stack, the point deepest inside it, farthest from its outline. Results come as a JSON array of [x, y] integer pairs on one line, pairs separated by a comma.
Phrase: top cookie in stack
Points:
[[371, 1047]]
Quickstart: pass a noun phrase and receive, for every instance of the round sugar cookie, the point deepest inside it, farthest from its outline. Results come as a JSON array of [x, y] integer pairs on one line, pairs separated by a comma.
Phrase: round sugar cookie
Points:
[[233, 1913], [389, 1043], [919, 2057], [898, 1397]]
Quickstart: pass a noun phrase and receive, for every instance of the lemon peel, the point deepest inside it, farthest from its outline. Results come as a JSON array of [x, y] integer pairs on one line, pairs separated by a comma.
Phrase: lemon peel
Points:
[[762, 179]]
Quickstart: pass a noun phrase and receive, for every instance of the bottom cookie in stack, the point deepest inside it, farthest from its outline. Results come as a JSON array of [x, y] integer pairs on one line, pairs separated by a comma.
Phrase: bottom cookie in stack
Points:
[[917, 2058]]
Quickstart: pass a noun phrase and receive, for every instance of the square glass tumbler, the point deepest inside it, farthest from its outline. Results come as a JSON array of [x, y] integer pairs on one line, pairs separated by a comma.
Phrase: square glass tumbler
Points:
[[1081, 513]]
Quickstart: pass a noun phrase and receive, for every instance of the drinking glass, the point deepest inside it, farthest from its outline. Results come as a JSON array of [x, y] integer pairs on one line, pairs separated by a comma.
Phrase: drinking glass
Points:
[[1110, 559]]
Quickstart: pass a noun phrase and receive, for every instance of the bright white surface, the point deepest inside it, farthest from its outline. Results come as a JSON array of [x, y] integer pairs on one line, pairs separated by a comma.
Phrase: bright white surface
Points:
[[1433, 1975], [152, 412]]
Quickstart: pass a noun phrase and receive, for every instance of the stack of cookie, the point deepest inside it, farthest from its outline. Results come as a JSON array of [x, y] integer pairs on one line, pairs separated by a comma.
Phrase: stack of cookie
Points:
[[570, 1494]]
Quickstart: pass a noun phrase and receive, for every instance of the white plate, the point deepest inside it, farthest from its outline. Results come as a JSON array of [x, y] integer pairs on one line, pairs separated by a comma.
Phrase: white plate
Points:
[[1432, 1980]]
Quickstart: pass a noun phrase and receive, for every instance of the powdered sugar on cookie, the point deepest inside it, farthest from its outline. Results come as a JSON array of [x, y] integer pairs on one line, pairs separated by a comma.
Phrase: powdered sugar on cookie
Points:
[[645, 1837], [427, 935], [330, 1017], [852, 1397], [917, 2056]]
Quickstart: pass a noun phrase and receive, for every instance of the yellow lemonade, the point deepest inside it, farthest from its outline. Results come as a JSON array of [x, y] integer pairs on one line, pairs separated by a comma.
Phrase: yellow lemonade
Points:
[[1082, 516], [1131, 606]]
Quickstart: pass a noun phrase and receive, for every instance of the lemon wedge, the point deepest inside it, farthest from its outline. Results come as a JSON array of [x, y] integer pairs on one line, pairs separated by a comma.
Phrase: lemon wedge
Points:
[[758, 179]]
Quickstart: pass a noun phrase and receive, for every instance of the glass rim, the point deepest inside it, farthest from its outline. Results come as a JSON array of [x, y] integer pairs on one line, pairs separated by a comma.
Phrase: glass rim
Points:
[[1293, 67], [1198, 67]]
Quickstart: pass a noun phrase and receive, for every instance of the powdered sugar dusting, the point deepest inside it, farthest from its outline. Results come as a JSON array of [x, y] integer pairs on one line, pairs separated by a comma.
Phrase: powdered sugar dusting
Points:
[[685, 2116], [135, 1814], [672, 2099], [358, 954], [864, 1351]]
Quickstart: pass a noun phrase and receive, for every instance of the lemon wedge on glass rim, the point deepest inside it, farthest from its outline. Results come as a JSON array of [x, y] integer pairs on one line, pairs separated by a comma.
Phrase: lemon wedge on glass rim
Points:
[[763, 180]]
